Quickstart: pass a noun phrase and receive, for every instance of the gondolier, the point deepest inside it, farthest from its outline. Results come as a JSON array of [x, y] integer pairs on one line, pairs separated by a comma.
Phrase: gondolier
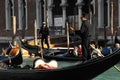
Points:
[[44, 32], [84, 34]]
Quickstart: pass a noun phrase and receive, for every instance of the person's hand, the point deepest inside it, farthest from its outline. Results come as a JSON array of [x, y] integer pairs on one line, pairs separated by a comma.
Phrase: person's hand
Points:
[[71, 28]]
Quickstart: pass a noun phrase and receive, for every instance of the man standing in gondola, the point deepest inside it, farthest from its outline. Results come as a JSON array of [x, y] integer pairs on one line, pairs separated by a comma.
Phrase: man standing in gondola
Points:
[[84, 34], [44, 31]]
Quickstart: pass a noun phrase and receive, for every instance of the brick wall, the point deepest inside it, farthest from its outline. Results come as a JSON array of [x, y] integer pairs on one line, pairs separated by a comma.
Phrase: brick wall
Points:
[[31, 19]]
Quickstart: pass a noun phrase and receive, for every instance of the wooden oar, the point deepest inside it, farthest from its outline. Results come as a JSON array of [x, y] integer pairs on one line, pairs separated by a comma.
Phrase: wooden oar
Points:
[[40, 50], [41, 53], [116, 67]]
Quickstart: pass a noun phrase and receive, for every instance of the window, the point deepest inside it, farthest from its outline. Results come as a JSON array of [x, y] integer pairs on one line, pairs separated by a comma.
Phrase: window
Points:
[[22, 12], [9, 8], [103, 13]]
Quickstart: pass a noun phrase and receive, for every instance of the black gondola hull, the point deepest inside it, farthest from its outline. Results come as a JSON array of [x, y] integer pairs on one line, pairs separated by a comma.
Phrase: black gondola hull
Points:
[[85, 71]]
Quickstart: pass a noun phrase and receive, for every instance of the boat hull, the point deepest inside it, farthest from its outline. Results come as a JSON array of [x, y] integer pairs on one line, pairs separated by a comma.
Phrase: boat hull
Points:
[[85, 71]]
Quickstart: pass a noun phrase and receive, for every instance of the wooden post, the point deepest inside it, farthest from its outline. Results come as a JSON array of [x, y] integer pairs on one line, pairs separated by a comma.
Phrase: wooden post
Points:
[[14, 30], [35, 28], [68, 43], [112, 21]]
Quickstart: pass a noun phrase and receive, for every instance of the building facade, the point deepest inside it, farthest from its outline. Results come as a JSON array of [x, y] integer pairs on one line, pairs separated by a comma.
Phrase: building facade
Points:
[[24, 17]]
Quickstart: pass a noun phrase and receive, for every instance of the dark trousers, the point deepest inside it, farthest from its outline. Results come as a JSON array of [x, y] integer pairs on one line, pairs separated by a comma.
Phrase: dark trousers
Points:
[[85, 48], [46, 42]]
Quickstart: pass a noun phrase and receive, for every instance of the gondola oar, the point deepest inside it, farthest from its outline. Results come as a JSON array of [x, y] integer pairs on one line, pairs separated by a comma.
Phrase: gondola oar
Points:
[[41, 51], [116, 67]]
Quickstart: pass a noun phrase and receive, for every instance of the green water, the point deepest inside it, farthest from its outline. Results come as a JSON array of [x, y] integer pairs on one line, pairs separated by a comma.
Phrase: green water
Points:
[[110, 74]]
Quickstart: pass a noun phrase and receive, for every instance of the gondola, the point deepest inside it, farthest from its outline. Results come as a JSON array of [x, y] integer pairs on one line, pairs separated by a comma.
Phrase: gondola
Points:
[[62, 56], [80, 71], [59, 50], [30, 48], [14, 57], [54, 54]]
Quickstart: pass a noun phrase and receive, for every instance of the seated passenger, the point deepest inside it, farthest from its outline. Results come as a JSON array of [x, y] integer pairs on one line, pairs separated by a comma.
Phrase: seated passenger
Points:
[[70, 53], [96, 52], [80, 50], [66, 54], [107, 50], [116, 46], [75, 51]]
